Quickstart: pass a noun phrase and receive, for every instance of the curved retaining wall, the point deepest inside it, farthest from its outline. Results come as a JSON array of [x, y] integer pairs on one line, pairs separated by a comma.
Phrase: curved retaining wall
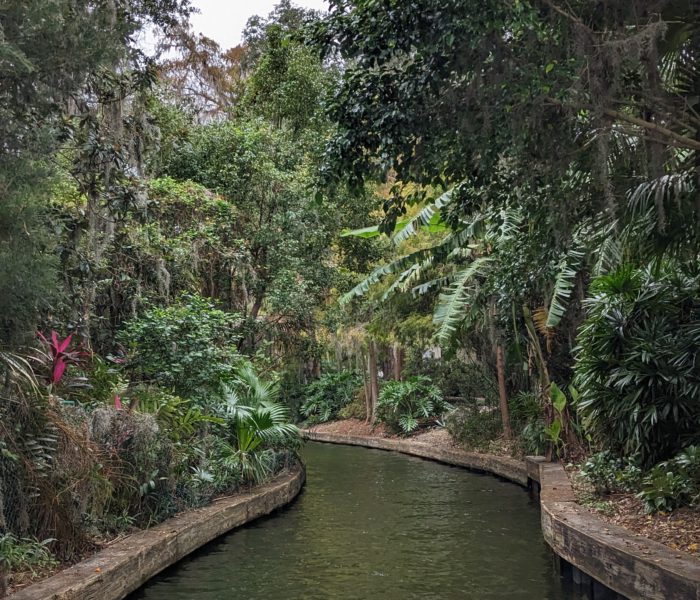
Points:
[[508, 468], [631, 565], [624, 563], [123, 567]]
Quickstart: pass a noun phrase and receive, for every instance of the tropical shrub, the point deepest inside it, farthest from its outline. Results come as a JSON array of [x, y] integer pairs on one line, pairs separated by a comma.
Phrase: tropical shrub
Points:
[[141, 457], [403, 405], [524, 408], [357, 409], [25, 554], [637, 370], [533, 439], [457, 378], [188, 347], [674, 483], [178, 418], [527, 423], [330, 393], [608, 474], [472, 428], [259, 425], [105, 382]]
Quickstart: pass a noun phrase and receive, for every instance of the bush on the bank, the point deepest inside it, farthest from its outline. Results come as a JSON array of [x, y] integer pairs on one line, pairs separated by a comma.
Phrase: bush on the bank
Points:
[[637, 368], [77, 471], [472, 428], [609, 474], [25, 554], [357, 409], [403, 405], [457, 378], [327, 395], [674, 483], [189, 347]]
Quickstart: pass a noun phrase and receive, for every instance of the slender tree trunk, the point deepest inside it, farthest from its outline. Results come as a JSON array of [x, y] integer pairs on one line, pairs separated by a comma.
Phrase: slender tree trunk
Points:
[[368, 393], [3, 579], [502, 397], [373, 380], [398, 362]]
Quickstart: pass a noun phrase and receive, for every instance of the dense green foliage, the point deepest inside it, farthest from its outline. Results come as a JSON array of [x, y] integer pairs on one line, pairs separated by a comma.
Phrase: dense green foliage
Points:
[[637, 361], [673, 483], [608, 474], [404, 405], [153, 279], [188, 347], [542, 183], [472, 428], [328, 395], [175, 225], [25, 554]]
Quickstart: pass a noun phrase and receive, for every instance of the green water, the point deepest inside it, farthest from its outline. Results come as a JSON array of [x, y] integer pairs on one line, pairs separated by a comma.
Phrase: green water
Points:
[[377, 525]]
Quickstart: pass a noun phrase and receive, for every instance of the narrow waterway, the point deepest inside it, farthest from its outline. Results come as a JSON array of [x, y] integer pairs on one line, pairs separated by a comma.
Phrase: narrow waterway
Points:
[[377, 525]]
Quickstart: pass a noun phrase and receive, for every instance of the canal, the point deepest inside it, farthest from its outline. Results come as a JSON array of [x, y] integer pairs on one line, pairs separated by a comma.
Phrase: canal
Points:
[[377, 525]]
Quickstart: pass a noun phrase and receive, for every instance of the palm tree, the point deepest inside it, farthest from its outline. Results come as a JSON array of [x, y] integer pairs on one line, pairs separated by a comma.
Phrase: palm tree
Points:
[[259, 423]]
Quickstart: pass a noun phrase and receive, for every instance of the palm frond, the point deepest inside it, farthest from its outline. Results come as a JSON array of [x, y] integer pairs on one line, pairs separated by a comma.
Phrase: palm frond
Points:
[[398, 284], [608, 256], [511, 220], [426, 286], [660, 191]]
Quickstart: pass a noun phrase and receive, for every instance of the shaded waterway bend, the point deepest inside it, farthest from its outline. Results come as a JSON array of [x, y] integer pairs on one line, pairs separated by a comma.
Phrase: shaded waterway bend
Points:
[[374, 524]]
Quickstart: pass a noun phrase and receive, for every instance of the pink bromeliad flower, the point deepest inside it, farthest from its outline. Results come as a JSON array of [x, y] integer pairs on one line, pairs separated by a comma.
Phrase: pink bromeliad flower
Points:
[[60, 356], [117, 402]]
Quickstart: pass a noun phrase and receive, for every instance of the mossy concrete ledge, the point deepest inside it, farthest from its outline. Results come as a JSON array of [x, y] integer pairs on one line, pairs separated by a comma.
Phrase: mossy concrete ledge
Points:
[[508, 468], [123, 567], [633, 566]]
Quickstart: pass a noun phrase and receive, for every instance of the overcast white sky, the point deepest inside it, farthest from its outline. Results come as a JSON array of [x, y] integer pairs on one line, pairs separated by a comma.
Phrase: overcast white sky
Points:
[[224, 20]]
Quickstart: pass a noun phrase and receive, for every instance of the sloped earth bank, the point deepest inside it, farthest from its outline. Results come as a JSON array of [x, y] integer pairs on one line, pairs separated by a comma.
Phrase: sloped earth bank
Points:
[[437, 436]]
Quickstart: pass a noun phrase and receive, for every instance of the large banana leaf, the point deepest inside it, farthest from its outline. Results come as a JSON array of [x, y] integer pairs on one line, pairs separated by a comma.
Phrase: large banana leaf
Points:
[[453, 305]]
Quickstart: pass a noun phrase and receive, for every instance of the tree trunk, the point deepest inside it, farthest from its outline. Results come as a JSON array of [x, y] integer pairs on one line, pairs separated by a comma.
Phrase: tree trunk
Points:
[[3, 580], [398, 362], [502, 397], [373, 380], [368, 392]]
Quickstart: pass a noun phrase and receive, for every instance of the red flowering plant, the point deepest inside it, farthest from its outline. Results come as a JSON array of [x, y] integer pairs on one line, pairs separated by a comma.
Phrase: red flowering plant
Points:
[[54, 358]]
